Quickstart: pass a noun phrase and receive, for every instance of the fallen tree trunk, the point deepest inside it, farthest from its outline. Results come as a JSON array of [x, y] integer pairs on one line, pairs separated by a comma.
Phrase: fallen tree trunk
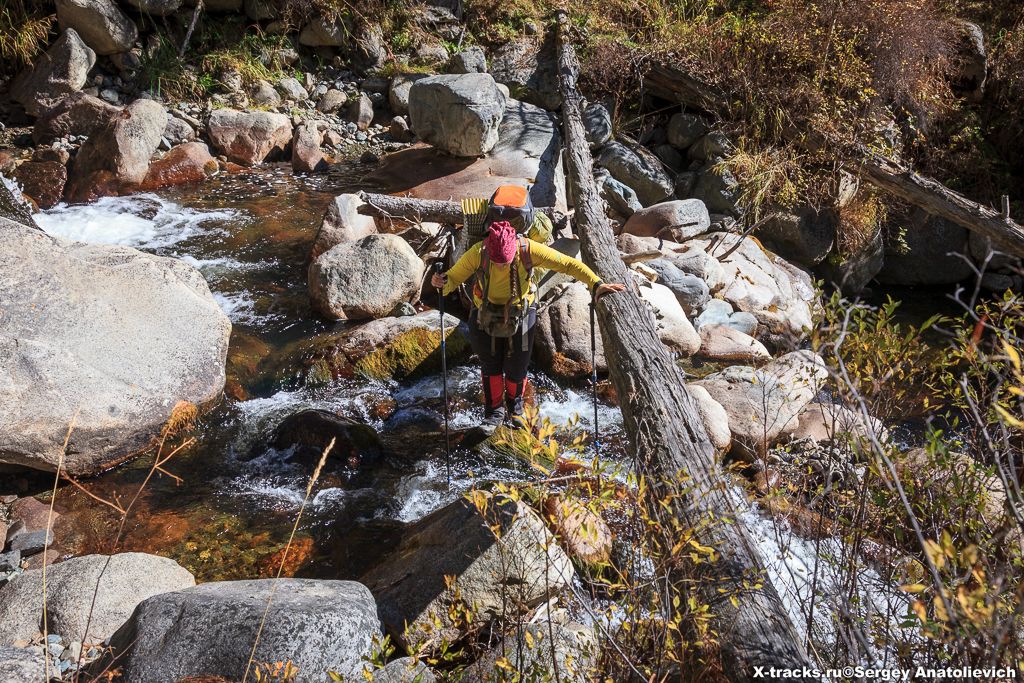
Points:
[[667, 438], [412, 210], [886, 174]]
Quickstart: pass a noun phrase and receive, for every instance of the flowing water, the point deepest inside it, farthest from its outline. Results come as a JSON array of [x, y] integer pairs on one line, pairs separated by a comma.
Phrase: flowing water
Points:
[[230, 513]]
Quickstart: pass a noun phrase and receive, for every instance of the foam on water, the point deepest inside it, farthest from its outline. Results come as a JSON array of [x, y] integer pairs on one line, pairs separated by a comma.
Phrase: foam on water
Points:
[[140, 220]]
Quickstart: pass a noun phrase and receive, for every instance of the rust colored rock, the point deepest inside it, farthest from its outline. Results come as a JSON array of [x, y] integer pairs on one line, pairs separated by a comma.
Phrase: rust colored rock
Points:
[[307, 156], [33, 513], [43, 181], [187, 163], [582, 532], [249, 137]]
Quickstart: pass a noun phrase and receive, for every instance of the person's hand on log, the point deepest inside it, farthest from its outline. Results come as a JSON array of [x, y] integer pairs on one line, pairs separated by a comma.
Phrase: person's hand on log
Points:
[[608, 288], [438, 280]]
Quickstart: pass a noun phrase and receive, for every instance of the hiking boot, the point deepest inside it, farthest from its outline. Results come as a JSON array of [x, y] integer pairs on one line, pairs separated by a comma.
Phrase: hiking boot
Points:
[[493, 417], [514, 416]]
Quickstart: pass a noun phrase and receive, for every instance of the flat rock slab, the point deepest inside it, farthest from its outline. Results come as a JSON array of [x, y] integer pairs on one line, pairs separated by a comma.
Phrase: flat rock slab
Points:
[[208, 630], [527, 152], [21, 665]]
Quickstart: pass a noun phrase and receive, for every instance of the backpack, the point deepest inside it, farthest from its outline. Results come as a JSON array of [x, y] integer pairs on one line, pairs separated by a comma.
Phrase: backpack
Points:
[[510, 203], [499, 320]]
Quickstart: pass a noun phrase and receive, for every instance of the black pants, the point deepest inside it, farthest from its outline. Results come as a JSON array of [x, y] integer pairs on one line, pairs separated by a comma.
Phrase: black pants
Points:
[[504, 362]]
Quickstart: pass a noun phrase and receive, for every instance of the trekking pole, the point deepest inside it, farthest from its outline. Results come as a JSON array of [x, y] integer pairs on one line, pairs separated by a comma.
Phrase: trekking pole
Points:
[[593, 369], [439, 268]]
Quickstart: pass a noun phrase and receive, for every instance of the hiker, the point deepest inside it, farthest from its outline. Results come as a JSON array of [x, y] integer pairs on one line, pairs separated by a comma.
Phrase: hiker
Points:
[[504, 312]]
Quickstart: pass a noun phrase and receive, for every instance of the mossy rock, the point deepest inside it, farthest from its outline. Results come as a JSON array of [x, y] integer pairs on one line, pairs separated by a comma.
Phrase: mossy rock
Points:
[[518, 444]]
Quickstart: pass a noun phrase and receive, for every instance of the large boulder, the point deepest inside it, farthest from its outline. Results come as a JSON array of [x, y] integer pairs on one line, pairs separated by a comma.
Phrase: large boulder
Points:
[[674, 328], [676, 220], [925, 250], [158, 8], [76, 114], [852, 272], [718, 188], [598, 123], [249, 137], [398, 92], [685, 129], [21, 665], [551, 648], [325, 31], [725, 343], [115, 159], [187, 163], [833, 422], [563, 334], [208, 630], [124, 580], [389, 348], [43, 181], [691, 291], [639, 169], [110, 334], [62, 71], [103, 27], [458, 113], [805, 236], [342, 223], [501, 555], [713, 416], [762, 403], [366, 278], [778, 294], [528, 67]]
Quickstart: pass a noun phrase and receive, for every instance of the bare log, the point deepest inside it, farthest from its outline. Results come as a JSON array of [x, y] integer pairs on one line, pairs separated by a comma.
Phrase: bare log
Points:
[[412, 210], [884, 173], [667, 436]]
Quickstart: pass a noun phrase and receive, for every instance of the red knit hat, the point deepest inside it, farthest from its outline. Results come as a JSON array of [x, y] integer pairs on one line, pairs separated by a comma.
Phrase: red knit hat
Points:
[[501, 242]]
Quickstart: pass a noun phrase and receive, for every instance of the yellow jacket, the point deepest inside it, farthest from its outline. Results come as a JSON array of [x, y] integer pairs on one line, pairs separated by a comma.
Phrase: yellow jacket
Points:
[[499, 291]]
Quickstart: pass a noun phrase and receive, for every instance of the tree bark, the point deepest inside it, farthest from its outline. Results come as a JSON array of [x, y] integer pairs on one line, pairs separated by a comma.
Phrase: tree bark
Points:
[[409, 209], [886, 174], [667, 437]]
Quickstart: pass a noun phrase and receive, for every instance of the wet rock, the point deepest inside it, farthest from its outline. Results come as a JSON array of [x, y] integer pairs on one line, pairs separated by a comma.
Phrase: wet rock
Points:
[[63, 71], [563, 334], [318, 626], [925, 250], [343, 223], [691, 291], [332, 101], [685, 129], [639, 169], [528, 67], [263, 94], [366, 278], [405, 670], [535, 650], [324, 32], [724, 343], [124, 580], [187, 163], [115, 158], [580, 531], [718, 188], [676, 220], [497, 574], [43, 181], [291, 89], [360, 111], [307, 433], [713, 417], [398, 93], [718, 312], [459, 114], [779, 295], [249, 137], [103, 27], [76, 114], [470, 61], [177, 131], [806, 236], [598, 124], [122, 361], [307, 157], [762, 403], [158, 8], [21, 665], [674, 328]]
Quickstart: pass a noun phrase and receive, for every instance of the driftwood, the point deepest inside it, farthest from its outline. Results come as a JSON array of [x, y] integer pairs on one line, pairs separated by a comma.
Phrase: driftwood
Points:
[[411, 210], [886, 174], [667, 436]]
